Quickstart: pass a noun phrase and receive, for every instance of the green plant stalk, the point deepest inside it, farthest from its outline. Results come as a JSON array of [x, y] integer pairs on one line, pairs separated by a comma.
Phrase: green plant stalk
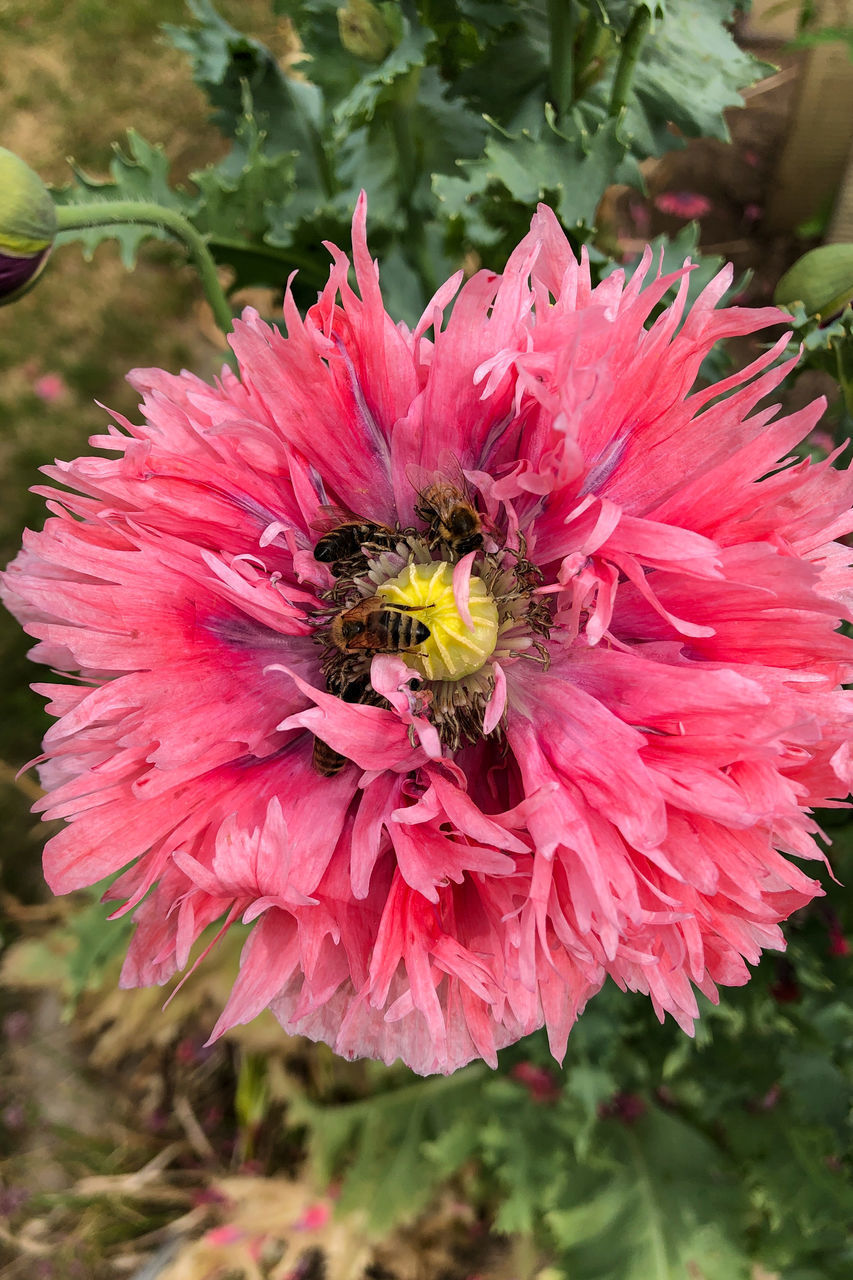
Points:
[[562, 18], [629, 53], [844, 366], [404, 141], [107, 213], [585, 48]]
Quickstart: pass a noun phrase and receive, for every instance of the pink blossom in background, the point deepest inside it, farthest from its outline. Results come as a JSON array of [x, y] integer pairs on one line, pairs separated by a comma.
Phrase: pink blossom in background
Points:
[[315, 1217], [683, 204], [640, 216], [621, 786], [51, 387], [539, 1083], [225, 1235]]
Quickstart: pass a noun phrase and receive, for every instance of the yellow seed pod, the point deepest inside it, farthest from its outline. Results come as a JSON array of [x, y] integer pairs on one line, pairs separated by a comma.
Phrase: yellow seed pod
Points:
[[453, 649]]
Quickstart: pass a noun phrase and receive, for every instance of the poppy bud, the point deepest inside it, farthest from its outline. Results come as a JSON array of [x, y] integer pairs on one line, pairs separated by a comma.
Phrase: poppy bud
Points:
[[27, 225], [364, 31]]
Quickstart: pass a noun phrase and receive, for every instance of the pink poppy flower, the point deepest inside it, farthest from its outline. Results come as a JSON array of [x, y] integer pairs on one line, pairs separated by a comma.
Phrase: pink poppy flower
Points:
[[598, 760]]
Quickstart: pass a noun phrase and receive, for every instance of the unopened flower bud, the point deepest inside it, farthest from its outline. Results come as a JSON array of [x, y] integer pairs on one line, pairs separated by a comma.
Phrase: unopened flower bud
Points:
[[364, 31], [27, 225]]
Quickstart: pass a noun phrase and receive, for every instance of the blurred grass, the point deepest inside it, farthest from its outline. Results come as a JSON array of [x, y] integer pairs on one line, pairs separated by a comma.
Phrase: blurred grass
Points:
[[73, 79]]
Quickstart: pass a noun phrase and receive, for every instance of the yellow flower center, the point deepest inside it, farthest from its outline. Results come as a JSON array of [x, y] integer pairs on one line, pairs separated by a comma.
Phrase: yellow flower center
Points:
[[453, 649]]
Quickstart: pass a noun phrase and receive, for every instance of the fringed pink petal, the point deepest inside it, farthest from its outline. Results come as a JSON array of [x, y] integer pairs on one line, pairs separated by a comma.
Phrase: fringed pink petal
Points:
[[633, 771]]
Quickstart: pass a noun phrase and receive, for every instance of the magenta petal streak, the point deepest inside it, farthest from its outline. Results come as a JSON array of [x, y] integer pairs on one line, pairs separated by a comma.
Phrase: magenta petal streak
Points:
[[638, 800]]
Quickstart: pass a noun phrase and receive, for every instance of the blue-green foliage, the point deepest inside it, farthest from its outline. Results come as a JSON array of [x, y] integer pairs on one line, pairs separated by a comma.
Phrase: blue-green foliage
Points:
[[446, 112]]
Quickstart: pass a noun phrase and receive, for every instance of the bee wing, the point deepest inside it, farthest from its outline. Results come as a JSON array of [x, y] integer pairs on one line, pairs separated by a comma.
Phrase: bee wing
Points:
[[419, 477], [331, 517], [450, 470], [448, 473]]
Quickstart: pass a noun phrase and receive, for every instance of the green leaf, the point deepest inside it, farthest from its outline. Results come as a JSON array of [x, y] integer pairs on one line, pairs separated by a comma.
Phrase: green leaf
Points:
[[398, 1145], [99, 941], [234, 205], [237, 193], [240, 199], [325, 62], [820, 1091], [565, 166], [822, 280], [288, 111], [797, 1186], [409, 54], [515, 1134], [512, 70], [666, 1208], [591, 1086], [140, 174], [690, 71], [828, 347], [442, 132]]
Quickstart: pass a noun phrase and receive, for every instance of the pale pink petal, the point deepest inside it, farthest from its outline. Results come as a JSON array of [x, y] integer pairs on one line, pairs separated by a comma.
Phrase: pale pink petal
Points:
[[462, 588], [497, 702]]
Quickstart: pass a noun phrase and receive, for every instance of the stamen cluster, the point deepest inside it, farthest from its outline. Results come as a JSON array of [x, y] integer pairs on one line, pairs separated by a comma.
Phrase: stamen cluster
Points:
[[411, 569]]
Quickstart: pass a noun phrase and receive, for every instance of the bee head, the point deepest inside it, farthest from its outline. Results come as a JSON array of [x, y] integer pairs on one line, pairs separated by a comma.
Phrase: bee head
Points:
[[471, 543], [463, 521]]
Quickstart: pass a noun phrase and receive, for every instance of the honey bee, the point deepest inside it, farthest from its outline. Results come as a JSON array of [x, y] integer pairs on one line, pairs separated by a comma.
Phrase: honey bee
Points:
[[341, 547], [375, 626], [451, 517], [326, 761]]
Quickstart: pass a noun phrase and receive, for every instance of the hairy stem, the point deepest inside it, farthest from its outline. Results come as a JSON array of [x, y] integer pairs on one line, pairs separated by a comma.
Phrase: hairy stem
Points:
[[107, 213]]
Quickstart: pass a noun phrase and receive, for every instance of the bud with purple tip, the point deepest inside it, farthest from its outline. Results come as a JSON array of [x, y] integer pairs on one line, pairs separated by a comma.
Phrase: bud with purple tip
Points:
[[27, 225]]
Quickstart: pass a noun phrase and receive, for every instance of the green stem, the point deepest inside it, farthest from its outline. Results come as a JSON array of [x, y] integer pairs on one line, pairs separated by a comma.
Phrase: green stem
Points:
[[407, 170], [107, 213], [561, 21], [632, 43], [587, 41], [844, 365]]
